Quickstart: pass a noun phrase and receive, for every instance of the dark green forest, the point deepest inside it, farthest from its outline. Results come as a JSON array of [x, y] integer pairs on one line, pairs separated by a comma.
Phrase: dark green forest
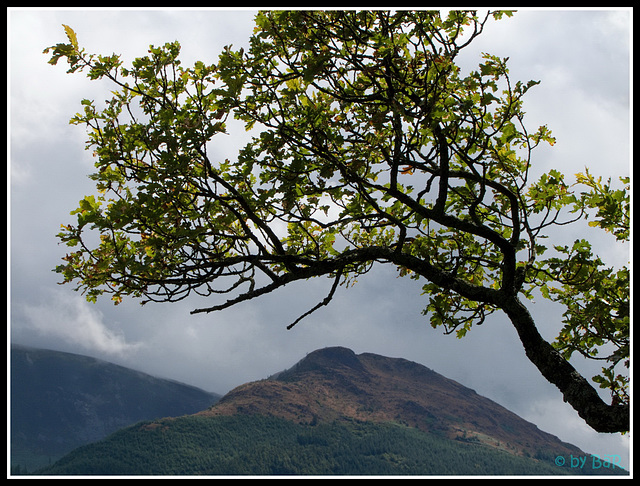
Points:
[[259, 445]]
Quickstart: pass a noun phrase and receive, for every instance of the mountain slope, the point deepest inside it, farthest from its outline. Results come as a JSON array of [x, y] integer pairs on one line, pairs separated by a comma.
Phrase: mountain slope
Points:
[[60, 401], [335, 382]]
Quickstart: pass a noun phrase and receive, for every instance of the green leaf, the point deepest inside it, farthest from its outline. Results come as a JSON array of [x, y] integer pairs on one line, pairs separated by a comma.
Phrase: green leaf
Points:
[[314, 66]]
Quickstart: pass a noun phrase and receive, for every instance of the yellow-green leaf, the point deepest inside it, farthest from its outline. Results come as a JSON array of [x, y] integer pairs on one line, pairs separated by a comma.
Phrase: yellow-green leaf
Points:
[[71, 35]]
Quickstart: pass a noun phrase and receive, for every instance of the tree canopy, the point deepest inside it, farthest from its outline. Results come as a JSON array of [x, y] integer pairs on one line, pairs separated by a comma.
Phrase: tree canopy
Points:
[[369, 145]]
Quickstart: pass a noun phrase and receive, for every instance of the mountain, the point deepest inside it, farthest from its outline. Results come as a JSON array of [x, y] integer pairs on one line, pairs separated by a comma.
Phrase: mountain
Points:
[[333, 383], [335, 413], [60, 401]]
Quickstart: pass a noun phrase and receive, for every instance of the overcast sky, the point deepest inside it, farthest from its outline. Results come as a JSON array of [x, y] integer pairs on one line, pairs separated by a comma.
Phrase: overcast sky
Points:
[[582, 58]]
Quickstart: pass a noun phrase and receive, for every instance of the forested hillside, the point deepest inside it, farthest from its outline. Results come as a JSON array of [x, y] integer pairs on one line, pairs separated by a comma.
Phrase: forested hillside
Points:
[[259, 445]]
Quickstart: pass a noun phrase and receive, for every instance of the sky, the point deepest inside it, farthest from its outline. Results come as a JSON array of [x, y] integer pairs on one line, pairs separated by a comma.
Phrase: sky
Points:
[[581, 57]]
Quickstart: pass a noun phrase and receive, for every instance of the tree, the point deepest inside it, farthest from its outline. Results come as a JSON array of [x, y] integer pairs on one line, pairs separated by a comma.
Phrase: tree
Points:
[[368, 146]]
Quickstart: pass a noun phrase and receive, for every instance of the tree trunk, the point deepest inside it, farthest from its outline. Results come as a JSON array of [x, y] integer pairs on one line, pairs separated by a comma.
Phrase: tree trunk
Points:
[[557, 370]]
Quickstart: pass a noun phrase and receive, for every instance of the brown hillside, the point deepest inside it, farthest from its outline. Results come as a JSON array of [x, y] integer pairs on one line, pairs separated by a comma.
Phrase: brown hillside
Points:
[[335, 383]]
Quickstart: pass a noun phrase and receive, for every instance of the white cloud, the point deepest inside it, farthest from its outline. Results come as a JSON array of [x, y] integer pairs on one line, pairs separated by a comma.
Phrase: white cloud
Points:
[[74, 320]]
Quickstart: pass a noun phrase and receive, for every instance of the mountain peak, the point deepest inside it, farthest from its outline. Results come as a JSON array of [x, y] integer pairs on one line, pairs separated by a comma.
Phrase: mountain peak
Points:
[[322, 360], [333, 355]]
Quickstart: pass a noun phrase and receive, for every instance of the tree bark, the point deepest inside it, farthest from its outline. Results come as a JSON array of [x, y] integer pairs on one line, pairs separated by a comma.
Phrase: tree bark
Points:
[[576, 390]]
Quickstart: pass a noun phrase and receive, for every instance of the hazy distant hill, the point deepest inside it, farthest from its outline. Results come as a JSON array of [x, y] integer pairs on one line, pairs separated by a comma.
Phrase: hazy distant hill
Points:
[[60, 401], [334, 413]]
